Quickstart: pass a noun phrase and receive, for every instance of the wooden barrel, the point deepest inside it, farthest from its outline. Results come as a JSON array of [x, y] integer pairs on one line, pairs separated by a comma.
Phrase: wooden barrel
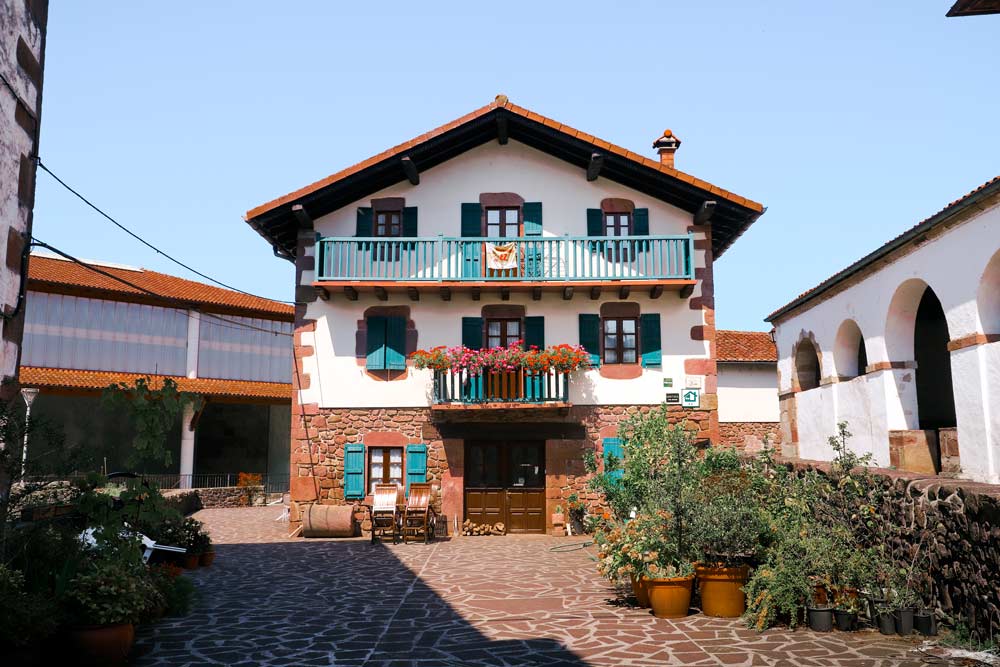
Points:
[[328, 521]]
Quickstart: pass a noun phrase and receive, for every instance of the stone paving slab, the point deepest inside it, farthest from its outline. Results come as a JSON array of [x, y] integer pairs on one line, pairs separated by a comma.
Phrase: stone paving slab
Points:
[[479, 601]]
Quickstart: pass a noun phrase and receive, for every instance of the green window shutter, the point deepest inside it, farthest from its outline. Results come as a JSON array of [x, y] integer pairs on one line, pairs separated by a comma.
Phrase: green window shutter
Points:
[[640, 222], [472, 332], [472, 220], [395, 343], [649, 332], [364, 221], [613, 449], [534, 332], [595, 222], [532, 211], [416, 464], [590, 337], [375, 343], [354, 471], [410, 221]]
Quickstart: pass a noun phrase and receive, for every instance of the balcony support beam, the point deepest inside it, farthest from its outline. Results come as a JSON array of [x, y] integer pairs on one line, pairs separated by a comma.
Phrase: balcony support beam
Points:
[[446, 294], [381, 294], [536, 293], [410, 169], [595, 166], [595, 293], [351, 293], [477, 293], [686, 291], [505, 294], [567, 293], [414, 293], [704, 213], [323, 293], [655, 291], [624, 291]]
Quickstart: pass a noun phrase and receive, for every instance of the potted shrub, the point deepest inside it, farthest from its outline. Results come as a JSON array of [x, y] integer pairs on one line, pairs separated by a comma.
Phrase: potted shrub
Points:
[[191, 532], [204, 548], [727, 532], [558, 518], [667, 575], [620, 554], [577, 514], [106, 598], [925, 622]]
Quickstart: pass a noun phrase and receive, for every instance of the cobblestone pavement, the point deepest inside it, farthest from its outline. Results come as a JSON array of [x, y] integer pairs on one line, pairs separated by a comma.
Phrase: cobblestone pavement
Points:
[[269, 600]]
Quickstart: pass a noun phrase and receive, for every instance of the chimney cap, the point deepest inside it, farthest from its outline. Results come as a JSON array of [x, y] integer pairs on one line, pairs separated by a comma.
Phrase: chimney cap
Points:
[[668, 140]]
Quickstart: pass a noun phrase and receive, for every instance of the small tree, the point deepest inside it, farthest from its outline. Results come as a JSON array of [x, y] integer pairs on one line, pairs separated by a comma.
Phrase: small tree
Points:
[[153, 412]]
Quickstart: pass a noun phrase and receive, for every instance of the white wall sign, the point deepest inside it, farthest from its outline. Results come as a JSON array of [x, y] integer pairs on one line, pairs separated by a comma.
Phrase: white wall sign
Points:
[[691, 398], [694, 381]]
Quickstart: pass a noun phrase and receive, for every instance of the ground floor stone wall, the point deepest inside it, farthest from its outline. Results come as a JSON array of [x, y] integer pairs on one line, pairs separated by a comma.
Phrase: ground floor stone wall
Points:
[[317, 458], [749, 436]]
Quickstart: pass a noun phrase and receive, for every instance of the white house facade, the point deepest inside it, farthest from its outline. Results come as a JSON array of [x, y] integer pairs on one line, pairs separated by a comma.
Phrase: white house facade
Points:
[[904, 345], [501, 226]]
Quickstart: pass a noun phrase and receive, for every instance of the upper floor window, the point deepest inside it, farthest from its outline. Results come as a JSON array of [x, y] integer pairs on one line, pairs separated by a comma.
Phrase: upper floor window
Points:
[[388, 224], [501, 332], [617, 224], [621, 340], [503, 222]]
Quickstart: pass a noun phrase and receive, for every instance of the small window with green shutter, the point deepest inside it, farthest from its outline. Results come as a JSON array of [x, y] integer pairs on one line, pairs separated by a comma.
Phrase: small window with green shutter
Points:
[[416, 464], [534, 332], [614, 458], [649, 330], [472, 332], [354, 471], [385, 343], [590, 337]]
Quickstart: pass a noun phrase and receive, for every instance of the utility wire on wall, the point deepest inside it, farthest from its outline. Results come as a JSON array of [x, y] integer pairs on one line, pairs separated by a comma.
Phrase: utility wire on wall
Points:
[[184, 306], [147, 243]]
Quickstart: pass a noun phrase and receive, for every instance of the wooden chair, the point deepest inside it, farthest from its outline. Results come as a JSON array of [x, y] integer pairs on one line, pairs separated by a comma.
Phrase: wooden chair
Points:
[[419, 516], [385, 512]]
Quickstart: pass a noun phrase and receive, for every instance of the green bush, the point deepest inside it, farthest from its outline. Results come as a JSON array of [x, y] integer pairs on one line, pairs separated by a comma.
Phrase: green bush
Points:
[[25, 617], [112, 589]]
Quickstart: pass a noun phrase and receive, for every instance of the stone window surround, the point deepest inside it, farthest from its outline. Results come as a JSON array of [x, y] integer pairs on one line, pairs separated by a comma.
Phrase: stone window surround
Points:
[[621, 371]]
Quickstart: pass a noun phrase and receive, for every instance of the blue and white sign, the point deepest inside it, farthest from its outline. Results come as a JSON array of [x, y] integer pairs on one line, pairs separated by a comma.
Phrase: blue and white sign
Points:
[[691, 398]]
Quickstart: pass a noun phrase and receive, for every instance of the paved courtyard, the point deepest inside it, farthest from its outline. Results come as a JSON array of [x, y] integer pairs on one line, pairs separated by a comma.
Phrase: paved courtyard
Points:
[[474, 601]]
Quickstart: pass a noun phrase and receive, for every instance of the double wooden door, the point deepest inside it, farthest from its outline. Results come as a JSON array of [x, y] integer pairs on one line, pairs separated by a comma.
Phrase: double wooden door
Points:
[[505, 482]]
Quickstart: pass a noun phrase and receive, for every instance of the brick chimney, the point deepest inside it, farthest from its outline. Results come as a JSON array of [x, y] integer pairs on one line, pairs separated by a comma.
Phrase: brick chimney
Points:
[[666, 146]]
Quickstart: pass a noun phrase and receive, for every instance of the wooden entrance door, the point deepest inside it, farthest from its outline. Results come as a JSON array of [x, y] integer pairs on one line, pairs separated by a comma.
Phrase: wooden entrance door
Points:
[[505, 481]]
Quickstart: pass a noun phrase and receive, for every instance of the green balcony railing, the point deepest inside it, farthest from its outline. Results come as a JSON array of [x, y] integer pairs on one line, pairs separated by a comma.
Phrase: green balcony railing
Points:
[[523, 259], [520, 386]]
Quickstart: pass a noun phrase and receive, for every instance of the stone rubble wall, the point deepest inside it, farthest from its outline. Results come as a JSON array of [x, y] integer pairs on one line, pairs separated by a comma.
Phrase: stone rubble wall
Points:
[[749, 436]]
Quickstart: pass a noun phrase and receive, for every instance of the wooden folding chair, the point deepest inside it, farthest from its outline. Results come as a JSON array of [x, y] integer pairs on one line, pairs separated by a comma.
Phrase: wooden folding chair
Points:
[[385, 512], [419, 516]]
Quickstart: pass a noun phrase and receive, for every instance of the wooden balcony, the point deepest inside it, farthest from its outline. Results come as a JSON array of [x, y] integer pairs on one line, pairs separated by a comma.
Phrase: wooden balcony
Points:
[[500, 390], [521, 264]]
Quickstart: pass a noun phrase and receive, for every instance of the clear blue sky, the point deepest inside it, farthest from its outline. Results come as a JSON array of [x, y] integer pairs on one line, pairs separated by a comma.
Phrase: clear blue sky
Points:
[[850, 121]]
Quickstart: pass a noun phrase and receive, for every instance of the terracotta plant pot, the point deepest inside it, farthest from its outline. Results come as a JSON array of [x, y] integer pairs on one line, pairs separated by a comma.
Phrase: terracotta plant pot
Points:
[[641, 591], [103, 644], [206, 558], [722, 590], [190, 561], [670, 598]]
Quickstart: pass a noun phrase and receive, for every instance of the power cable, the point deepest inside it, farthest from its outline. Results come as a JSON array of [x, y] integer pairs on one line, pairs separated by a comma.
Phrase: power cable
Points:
[[147, 243]]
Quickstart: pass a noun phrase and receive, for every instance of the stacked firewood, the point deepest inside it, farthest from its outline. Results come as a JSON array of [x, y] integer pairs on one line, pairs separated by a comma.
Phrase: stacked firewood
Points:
[[471, 528]]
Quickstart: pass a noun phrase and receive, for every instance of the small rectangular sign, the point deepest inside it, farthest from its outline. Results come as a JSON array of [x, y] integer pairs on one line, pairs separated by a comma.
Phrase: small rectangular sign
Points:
[[694, 381], [668, 382], [672, 399], [691, 398]]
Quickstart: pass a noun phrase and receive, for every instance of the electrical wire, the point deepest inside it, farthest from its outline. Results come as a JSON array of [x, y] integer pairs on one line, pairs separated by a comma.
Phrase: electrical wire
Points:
[[186, 305], [145, 242]]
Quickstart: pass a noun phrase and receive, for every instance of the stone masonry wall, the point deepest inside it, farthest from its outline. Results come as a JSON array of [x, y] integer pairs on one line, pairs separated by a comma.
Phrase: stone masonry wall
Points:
[[318, 454], [749, 436]]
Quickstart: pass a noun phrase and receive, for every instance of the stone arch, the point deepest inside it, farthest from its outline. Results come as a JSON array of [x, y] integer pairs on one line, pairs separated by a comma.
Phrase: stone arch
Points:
[[807, 366], [850, 356], [988, 297], [935, 394], [901, 319]]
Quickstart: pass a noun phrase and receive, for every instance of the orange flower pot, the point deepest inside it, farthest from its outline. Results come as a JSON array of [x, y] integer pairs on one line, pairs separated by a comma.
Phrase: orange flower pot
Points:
[[670, 598], [722, 590], [640, 591], [103, 644], [206, 559], [190, 561]]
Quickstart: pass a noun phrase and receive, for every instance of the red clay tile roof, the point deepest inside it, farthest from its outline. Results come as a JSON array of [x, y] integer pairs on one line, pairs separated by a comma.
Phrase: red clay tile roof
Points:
[[65, 378], [985, 190], [501, 102], [744, 346], [55, 274]]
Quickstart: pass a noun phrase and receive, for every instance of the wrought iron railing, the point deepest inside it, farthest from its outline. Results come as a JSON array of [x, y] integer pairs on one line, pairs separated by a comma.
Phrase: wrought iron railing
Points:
[[523, 259], [521, 386]]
